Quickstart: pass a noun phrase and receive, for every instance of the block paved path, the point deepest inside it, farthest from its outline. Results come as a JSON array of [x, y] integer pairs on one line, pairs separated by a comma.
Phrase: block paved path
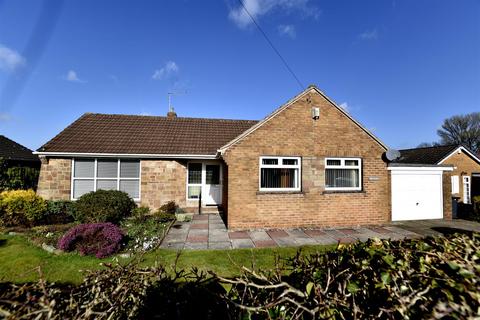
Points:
[[208, 231]]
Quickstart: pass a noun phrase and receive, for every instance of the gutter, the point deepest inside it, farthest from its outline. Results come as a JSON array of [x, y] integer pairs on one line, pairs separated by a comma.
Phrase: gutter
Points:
[[125, 155]]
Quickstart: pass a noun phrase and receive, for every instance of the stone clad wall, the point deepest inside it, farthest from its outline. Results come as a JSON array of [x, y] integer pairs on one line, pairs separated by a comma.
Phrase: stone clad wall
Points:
[[163, 181], [54, 182]]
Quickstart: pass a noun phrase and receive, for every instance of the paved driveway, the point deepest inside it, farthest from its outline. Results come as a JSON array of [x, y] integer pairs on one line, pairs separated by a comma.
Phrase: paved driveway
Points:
[[209, 232]]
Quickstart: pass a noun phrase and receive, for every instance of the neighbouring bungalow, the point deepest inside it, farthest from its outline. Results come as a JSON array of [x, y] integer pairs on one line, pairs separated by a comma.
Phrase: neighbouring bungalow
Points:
[[16, 155], [19, 166], [309, 163], [465, 177]]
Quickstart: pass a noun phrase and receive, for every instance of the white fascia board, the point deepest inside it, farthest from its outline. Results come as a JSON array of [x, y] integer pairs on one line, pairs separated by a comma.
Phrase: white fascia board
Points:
[[462, 149], [125, 155], [420, 168]]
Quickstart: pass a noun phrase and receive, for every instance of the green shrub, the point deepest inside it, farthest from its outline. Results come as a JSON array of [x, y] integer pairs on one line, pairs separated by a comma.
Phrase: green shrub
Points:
[[164, 216], [59, 212], [476, 206], [103, 206], [169, 207], [141, 213], [180, 210], [21, 207]]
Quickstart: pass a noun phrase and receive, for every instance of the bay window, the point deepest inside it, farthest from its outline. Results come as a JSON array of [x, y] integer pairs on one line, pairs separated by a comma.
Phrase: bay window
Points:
[[280, 173], [343, 174], [107, 174]]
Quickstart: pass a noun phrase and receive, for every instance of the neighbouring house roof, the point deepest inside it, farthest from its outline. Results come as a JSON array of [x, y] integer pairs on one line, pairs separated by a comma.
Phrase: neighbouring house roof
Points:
[[10, 150], [428, 155], [289, 103], [95, 133]]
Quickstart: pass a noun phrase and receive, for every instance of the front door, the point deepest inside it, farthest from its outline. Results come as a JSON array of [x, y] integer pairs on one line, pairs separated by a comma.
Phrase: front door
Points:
[[212, 187], [475, 185], [204, 180]]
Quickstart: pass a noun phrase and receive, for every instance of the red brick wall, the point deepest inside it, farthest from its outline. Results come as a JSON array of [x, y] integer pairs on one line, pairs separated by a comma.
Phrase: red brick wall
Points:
[[464, 166], [293, 132], [447, 195]]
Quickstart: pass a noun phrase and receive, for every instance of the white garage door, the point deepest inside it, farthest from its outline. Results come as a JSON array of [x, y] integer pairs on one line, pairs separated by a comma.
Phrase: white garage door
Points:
[[417, 195]]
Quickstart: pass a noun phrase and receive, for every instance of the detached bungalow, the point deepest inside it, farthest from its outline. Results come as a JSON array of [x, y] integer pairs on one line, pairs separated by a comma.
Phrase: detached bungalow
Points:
[[309, 163]]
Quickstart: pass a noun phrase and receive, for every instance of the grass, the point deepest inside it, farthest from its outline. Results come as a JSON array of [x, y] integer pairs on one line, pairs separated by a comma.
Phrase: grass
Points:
[[19, 260]]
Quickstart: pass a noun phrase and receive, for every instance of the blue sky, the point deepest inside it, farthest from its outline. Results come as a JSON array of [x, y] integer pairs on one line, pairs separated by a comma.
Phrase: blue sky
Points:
[[399, 67]]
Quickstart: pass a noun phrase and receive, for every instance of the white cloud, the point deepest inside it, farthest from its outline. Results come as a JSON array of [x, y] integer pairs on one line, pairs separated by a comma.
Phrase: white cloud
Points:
[[4, 117], [369, 35], [258, 8], [344, 106], [73, 77], [168, 70], [10, 59], [287, 30]]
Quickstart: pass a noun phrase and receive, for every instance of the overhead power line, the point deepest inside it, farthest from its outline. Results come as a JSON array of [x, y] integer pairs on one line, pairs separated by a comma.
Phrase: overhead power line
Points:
[[273, 47]]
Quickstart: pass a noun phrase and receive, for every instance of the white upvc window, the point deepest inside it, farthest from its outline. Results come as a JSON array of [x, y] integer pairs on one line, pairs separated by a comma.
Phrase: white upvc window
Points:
[[466, 190], [107, 174], [343, 174], [280, 173], [455, 184]]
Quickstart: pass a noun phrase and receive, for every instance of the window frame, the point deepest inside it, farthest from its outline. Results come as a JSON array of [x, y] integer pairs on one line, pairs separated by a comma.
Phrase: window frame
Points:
[[95, 178], [467, 189], [280, 159], [343, 166], [195, 184]]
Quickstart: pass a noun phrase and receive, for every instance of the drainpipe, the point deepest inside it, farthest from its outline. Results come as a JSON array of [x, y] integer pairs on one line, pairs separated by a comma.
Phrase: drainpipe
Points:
[[200, 203]]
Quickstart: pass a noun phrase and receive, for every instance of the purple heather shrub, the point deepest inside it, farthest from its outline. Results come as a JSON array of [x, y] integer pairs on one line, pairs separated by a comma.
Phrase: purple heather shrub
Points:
[[99, 239]]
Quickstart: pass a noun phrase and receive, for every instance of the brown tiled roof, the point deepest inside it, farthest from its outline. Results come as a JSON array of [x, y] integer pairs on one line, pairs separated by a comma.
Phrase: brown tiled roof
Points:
[[132, 134], [10, 150], [428, 155]]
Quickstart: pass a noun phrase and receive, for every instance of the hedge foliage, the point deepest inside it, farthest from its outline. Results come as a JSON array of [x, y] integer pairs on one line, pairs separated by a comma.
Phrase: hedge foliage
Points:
[[411, 279], [17, 177], [21, 208], [476, 207], [380, 279], [103, 206]]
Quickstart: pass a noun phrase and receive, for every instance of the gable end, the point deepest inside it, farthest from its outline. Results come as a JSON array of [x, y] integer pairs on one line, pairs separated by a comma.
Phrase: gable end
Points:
[[288, 104]]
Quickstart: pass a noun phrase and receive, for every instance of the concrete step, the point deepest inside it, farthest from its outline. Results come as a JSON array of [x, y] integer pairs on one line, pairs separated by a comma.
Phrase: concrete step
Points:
[[211, 210]]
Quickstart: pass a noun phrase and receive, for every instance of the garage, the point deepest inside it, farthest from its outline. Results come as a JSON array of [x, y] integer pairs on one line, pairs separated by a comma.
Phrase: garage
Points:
[[417, 192]]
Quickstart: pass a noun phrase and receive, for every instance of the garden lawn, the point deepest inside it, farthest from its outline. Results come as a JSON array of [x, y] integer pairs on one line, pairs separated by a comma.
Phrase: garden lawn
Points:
[[20, 261]]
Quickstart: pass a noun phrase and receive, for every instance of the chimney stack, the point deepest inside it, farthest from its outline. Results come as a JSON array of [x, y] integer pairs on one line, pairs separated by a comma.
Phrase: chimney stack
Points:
[[171, 113]]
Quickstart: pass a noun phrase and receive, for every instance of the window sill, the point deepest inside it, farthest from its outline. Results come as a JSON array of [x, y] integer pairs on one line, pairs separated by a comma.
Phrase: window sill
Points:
[[279, 192], [343, 191]]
